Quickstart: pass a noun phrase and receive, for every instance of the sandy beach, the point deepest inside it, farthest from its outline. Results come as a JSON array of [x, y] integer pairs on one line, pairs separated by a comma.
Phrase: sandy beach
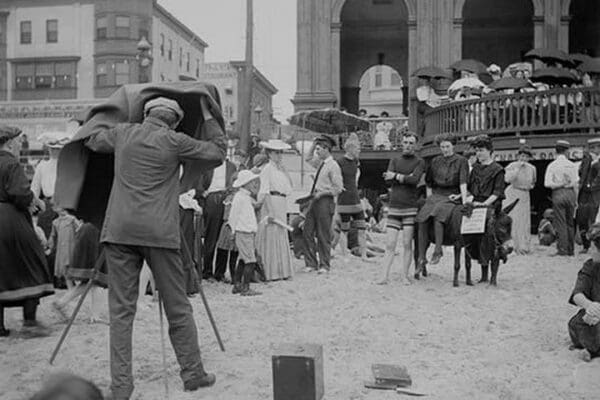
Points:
[[509, 342]]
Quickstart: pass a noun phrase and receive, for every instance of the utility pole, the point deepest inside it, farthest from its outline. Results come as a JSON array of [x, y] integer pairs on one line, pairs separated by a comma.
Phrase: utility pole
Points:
[[246, 106]]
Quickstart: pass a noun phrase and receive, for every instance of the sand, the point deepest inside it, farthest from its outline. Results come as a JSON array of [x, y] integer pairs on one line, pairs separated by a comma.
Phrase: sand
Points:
[[479, 342]]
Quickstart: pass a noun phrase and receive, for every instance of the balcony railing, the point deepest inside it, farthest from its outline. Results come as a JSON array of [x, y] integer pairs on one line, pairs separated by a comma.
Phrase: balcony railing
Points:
[[557, 110], [390, 128]]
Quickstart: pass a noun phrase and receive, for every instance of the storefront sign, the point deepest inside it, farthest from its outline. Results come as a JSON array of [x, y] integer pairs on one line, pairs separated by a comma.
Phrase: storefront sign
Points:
[[538, 154]]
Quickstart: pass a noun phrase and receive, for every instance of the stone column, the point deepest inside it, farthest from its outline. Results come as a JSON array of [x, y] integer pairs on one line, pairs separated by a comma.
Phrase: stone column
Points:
[[414, 62], [457, 25], [563, 33], [336, 34], [538, 31]]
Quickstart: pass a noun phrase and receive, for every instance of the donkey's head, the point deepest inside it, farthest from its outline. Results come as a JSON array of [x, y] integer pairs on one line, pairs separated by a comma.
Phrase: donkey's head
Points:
[[502, 228]]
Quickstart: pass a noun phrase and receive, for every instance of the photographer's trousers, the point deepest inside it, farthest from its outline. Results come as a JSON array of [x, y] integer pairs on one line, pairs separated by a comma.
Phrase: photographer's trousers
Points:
[[124, 265]]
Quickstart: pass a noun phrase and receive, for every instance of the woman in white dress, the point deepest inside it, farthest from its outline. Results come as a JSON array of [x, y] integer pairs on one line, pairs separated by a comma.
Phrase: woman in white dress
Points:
[[272, 243], [521, 177]]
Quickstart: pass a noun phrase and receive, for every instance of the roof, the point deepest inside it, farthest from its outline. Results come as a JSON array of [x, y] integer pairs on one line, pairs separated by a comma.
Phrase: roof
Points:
[[193, 38], [257, 74]]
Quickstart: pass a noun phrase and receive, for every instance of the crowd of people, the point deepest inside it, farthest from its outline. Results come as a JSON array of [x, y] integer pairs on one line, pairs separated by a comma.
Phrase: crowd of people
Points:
[[238, 218]]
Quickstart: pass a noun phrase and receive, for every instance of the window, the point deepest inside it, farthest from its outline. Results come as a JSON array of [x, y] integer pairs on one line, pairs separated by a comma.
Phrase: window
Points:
[[197, 68], [64, 74], [396, 79], [122, 73], [122, 29], [24, 74], [101, 25], [25, 32], [51, 31], [378, 80], [187, 61], [45, 75], [162, 44], [180, 57], [170, 49], [101, 75]]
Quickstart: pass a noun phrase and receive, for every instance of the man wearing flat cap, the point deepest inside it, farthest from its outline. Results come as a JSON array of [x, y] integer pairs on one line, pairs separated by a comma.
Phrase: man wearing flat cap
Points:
[[328, 184], [563, 178], [588, 199], [142, 223]]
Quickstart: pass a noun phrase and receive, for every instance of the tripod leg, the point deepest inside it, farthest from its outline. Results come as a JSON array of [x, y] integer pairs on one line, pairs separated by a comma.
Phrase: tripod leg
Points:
[[88, 286], [184, 249], [162, 344], [210, 317]]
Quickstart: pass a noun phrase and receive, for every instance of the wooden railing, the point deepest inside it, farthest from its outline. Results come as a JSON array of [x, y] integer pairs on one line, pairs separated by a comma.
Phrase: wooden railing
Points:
[[557, 110]]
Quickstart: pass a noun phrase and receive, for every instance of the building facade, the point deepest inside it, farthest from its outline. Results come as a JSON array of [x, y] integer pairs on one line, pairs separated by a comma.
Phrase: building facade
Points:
[[229, 78], [382, 90], [338, 40], [58, 57]]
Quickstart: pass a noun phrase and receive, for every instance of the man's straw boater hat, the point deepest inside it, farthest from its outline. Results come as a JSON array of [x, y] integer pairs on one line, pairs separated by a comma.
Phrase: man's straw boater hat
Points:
[[563, 144], [594, 141]]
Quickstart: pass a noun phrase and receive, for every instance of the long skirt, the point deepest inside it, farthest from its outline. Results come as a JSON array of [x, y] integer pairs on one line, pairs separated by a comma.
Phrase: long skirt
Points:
[[272, 243], [24, 273], [521, 218], [583, 335]]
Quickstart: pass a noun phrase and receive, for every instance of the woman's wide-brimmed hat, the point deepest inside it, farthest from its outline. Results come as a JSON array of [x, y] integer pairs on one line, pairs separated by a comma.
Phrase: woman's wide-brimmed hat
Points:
[[8, 132], [244, 177], [54, 139], [525, 150], [275, 145]]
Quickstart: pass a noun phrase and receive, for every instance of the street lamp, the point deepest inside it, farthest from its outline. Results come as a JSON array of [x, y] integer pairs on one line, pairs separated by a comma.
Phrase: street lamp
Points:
[[144, 58]]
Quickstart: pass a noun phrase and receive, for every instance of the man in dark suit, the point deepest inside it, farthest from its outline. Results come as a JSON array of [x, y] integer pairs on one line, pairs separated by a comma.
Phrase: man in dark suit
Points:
[[142, 223], [221, 180]]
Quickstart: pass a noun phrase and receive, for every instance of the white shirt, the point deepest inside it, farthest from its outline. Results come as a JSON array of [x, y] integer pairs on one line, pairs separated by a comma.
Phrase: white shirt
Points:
[[274, 179], [44, 178], [242, 217], [561, 173], [219, 179]]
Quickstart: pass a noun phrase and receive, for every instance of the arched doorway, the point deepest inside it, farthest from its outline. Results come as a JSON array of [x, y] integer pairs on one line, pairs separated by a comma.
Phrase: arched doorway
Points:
[[381, 92], [372, 33], [499, 31], [584, 27]]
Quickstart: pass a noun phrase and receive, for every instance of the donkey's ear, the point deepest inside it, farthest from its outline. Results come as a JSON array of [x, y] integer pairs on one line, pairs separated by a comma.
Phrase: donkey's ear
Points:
[[510, 207]]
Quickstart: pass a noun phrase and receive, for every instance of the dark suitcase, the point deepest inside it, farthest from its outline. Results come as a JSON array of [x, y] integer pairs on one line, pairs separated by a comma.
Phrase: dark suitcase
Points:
[[298, 372]]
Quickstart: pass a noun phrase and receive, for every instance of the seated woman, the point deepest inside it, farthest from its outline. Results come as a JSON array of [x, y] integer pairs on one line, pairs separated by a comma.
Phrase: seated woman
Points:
[[486, 185], [584, 327], [446, 180]]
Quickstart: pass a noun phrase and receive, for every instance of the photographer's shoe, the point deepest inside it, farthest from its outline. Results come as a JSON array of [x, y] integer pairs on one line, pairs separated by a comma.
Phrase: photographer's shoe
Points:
[[196, 383]]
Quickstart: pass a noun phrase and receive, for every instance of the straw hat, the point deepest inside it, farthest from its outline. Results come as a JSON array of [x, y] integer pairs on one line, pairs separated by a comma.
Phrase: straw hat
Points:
[[275, 144], [244, 177], [352, 141], [563, 144]]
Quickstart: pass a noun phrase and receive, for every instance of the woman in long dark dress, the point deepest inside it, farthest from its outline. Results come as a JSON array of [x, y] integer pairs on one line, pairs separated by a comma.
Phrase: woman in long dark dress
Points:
[[584, 327], [24, 274], [446, 180]]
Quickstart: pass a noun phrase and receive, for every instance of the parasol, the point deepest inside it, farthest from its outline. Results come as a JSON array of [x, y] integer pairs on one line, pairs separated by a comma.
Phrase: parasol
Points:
[[579, 58], [549, 55], [330, 121], [84, 178], [469, 65], [470, 83], [510, 83], [431, 72], [554, 76], [591, 66]]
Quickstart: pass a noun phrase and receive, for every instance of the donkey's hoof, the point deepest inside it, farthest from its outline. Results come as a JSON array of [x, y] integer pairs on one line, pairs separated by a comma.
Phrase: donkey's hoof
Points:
[[469, 282], [417, 276], [455, 284]]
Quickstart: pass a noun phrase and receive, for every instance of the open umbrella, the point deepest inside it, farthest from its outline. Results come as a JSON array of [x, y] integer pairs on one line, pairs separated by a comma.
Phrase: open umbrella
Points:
[[591, 66], [471, 83], [431, 72], [469, 65], [579, 58], [549, 55], [509, 82], [330, 120], [554, 76]]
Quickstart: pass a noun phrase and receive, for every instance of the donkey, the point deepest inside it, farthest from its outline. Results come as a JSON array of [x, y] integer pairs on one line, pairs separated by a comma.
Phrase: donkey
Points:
[[494, 245]]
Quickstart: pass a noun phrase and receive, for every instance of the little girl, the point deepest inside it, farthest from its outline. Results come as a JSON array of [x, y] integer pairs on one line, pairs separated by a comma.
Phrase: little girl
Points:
[[61, 242]]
